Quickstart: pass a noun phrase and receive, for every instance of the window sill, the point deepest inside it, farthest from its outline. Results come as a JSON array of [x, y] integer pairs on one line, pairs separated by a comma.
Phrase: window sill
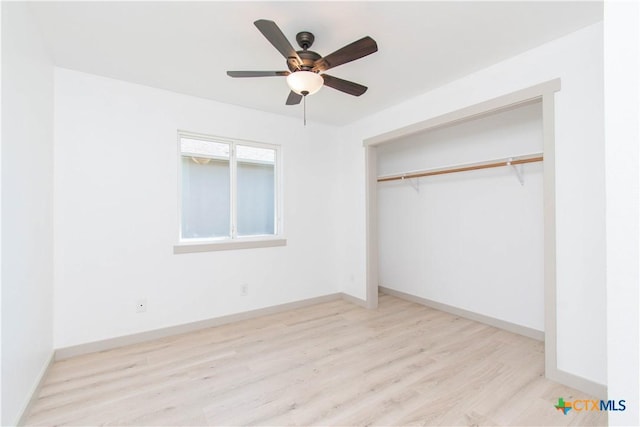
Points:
[[186, 248]]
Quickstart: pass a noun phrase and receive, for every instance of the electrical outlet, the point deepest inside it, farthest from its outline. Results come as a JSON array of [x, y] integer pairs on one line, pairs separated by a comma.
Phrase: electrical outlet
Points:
[[141, 306], [244, 290]]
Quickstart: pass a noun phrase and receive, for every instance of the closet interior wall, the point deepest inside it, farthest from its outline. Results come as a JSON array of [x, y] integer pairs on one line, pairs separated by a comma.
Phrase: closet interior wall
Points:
[[472, 240]]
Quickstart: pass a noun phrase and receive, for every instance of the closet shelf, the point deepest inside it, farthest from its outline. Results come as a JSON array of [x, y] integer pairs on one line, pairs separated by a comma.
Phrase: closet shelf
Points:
[[511, 161]]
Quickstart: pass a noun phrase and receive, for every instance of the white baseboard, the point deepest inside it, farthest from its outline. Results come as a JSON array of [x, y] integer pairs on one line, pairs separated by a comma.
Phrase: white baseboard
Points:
[[110, 343], [579, 383], [354, 300], [498, 323], [36, 391]]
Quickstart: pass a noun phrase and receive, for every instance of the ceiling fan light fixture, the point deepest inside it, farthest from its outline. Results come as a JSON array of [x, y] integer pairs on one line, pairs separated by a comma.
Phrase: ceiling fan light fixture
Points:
[[305, 82]]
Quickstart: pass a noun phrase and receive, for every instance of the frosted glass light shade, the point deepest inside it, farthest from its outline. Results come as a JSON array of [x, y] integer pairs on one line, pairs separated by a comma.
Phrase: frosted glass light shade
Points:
[[305, 81]]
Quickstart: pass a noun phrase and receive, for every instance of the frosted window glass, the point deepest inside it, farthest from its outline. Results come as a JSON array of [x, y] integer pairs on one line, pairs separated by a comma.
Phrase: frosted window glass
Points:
[[256, 195], [205, 197]]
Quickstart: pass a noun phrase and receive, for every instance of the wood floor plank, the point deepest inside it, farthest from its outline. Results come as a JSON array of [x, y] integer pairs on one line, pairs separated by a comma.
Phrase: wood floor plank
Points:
[[330, 364]]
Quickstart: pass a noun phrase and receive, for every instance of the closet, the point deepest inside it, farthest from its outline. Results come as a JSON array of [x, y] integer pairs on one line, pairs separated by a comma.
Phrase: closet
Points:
[[460, 216]]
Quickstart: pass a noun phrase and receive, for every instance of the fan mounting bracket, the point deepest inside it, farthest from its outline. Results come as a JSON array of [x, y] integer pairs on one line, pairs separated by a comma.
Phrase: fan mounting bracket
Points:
[[305, 39]]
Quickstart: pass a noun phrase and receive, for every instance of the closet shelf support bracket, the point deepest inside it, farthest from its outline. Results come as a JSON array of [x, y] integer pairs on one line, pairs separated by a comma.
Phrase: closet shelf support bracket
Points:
[[518, 169], [415, 186]]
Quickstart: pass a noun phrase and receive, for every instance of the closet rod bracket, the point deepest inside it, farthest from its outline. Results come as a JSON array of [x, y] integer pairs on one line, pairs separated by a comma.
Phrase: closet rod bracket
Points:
[[518, 170], [416, 185]]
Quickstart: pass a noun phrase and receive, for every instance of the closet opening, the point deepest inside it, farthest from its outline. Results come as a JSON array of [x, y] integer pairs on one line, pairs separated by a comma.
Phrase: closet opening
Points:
[[461, 214]]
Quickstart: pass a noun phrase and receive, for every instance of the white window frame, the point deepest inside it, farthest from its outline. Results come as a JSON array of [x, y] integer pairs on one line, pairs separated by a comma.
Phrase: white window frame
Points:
[[234, 241]]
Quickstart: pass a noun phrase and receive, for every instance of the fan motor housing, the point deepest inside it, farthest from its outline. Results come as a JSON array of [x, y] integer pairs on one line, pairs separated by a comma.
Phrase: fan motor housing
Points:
[[308, 58], [305, 40]]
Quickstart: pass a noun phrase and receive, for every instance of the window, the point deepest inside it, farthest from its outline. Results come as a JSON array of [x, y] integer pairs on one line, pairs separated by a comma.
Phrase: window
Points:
[[229, 193]]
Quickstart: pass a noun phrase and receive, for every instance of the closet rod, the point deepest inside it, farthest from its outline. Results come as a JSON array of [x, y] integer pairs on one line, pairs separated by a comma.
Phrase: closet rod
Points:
[[443, 171]]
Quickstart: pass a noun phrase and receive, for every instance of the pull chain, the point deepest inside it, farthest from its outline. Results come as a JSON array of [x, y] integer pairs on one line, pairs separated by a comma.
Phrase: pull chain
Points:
[[304, 105]]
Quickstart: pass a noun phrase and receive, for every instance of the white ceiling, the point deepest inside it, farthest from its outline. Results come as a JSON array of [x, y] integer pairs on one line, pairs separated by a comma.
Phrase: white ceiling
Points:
[[187, 47]]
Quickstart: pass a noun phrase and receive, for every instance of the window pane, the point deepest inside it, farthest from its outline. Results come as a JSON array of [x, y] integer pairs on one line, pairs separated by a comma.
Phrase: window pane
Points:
[[205, 189], [256, 190]]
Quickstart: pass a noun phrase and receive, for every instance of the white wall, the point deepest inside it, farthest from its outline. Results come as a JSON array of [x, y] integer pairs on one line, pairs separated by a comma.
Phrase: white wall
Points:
[[472, 240], [116, 212], [577, 60], [1, 117], [27, 231], [622, 71]]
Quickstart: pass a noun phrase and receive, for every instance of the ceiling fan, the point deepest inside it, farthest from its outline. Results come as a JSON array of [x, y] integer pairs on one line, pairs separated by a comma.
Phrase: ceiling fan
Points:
[[306, 68]]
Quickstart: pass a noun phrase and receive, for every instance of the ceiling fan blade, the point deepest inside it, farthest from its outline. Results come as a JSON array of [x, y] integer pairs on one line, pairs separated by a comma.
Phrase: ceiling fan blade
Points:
[[356, 50], [293, 98], [257, 73], [272, 32], [345, 86]]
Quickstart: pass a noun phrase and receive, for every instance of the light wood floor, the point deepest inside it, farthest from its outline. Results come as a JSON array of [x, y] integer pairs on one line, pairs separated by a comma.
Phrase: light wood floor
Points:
[[329, 364]]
